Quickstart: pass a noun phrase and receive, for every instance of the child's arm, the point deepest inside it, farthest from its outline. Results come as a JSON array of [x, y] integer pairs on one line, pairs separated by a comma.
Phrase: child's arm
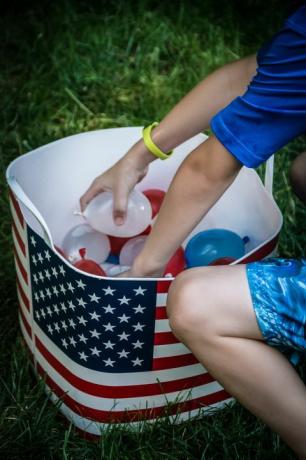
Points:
[[200, 180], [189, 117]]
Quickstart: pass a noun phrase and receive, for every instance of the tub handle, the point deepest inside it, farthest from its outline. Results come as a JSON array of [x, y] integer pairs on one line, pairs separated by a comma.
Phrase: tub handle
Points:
[[268, 181], [25, 200]]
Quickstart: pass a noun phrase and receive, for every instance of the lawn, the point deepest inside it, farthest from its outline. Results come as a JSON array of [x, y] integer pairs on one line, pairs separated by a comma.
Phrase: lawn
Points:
[[68, 67]]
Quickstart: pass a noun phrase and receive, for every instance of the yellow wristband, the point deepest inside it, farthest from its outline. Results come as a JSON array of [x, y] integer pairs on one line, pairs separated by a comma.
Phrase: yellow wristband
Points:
[[146, 134]]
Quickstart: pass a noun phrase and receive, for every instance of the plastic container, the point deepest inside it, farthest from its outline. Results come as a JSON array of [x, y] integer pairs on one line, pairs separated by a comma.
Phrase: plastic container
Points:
[[104, 344]]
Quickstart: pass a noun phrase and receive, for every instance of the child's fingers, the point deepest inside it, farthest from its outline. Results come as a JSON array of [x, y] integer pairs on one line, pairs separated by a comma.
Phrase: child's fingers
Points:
[[121, 195]]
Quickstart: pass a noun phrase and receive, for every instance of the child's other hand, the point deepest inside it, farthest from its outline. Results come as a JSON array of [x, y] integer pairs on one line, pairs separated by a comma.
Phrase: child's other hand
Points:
[[120, 179]]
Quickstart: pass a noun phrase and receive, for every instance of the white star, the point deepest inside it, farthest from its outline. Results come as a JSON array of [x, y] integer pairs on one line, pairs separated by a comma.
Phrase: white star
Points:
[[138, 327], [83, 356], [83, 338], [124, 318], [33, 241], [40, 257], [43, 314], [49, 312], [70, 287], [108, 327], [63, 289], [108, 362], [56, 327], [36, 296], [41, 276], [95, 316], [55, 291], [138, 344], [95, 351], [47, 274], [50, 328], [123, 336], [82, 320], [109, 344], [65, 344], [81, 302], [81, 284], [123, 353], [62, 270], [94, 298], [72, 323], [47, 255], [35, 278], [72, 341], [37, 315], [55, 308], [34, 260], [137, 361], [42, 295], [108, 291], [139, 290], [71, 305], [95, 333], [64, 325], [109, 309], [124, 300], [48, 293], [139, 309], [64, 308], [54, 272]]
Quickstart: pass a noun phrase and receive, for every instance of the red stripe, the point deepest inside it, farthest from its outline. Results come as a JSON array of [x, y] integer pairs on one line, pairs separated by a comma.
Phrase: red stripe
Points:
[[25, 323], [22, 295], [163, 286], [174, 361], [165, 338], [16, 207], [18, 237], [21, 267], [134, 414], [161, 313], [262, 252], [126, 391]]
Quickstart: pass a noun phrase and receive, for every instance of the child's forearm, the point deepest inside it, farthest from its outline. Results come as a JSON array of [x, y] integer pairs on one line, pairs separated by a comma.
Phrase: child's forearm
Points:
[[201, 179]]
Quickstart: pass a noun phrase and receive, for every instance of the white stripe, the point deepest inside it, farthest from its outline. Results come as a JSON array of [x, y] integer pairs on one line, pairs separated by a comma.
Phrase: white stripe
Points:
[[25, 334], [21, 279], [24, 308], [115, 379], [17, 221], [121, 404], [161, 300], [172, 349], [162, 325], [18, 250], [97, 428]]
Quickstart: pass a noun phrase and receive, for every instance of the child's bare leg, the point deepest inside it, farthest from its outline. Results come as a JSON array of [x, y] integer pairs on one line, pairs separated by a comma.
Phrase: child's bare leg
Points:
[[210, 310]]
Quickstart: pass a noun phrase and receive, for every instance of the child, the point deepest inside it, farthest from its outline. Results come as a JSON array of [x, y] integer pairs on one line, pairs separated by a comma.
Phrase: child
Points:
[[229, 316]]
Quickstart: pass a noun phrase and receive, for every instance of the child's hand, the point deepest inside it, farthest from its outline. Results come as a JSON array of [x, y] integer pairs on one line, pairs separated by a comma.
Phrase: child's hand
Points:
[[121, 179]]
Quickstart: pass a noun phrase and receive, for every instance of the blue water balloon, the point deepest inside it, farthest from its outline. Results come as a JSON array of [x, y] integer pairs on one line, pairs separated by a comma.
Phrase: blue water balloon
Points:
[[209, 245]]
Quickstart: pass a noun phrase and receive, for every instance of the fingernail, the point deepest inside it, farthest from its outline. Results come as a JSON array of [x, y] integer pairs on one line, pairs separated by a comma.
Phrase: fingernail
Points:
[[119, 220]]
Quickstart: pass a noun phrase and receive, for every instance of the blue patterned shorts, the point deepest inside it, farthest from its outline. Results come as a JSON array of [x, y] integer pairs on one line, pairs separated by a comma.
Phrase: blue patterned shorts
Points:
[[278, 291]]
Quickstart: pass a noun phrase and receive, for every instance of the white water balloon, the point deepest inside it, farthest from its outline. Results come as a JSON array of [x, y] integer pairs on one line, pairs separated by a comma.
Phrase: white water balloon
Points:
[[131, 249], [99, 214], [81, 236]]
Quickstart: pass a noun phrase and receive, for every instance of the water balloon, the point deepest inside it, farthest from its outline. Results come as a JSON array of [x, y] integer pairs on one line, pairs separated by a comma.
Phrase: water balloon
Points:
[[131, 249], [83, 236]]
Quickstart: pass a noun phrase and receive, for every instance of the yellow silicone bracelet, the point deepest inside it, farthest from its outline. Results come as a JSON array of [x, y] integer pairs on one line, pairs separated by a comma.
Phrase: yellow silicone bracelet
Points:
[[146, 134]]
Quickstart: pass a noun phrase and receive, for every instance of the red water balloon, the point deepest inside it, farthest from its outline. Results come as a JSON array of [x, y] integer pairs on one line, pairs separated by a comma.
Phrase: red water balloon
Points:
[[222, 261], [177, 263], [155, 196], [116, 243], [87, 265], [58, 249]]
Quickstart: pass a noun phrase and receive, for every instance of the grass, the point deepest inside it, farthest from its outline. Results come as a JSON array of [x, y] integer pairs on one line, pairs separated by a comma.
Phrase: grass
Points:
[[68, 67]]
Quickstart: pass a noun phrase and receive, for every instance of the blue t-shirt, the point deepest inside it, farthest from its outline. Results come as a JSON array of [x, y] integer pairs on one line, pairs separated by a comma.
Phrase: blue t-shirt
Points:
[[272, 111]]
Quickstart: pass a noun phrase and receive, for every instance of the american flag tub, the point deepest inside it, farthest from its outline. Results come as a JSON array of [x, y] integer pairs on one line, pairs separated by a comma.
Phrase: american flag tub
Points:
[[103, 345]]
